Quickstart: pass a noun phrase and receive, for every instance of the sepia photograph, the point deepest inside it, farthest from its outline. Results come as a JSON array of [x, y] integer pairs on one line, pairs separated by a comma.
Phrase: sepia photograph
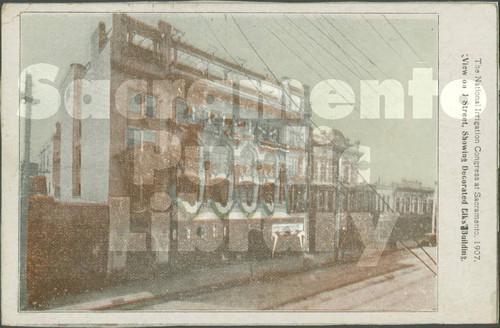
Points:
[[213, 162]]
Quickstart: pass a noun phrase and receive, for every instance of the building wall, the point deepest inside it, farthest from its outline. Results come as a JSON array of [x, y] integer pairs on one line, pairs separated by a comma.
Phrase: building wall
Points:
[[66, 248], [45, 163], [406, 197], [86, 94], [66, 120], [56, 161], [96, 131]]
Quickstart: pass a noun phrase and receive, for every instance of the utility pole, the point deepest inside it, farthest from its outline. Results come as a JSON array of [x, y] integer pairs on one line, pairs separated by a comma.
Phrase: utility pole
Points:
[[338, 204], [27, 169], [26, 165], [434, 209]]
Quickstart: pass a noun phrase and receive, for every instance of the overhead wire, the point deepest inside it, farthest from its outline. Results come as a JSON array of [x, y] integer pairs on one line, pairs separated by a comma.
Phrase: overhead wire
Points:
[[366, 183]]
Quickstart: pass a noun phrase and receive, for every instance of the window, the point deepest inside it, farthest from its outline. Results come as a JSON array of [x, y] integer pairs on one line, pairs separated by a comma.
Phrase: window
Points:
[[296, 198], [149, 136], [250, 83], [143, 42], [329, 201], [200, 63], [219, 158], [271, 90], [216, 70], [136, 136], [201, 231], [150, 106], [321, 200], [323, 172], [347, 173], [134, 101], [133, 137], [141, 103], [296, 104]]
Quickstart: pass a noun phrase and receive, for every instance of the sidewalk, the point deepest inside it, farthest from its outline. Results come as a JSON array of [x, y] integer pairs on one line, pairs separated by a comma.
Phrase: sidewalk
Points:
[[200, 280]]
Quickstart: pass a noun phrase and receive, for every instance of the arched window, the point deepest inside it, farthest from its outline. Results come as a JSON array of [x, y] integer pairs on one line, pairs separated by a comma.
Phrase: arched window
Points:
[[219, 157], [247, 183], [218, 161], [190, 181]]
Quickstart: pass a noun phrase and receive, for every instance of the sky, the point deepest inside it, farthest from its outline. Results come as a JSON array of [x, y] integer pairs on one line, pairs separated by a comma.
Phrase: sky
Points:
[[309, 48]]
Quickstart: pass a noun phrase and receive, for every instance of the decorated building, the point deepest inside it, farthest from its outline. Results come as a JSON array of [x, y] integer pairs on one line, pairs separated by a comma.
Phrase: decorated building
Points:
[[335, 191], [192, 153], [165, 154]]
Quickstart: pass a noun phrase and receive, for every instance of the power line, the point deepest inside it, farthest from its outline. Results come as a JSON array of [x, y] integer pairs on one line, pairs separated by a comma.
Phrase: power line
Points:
[[322, 47], [352, 43], [348, 56], [265, 64], [331, 141], [295, 53], [321, 64], [402, 37], [306, 49], [318, 61], [225, 49], [336, 43], [383, 38]]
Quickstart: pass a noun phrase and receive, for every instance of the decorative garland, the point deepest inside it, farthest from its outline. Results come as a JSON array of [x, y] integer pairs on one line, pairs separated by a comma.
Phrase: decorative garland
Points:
[[218, 208], [250, 210], [191, 210]]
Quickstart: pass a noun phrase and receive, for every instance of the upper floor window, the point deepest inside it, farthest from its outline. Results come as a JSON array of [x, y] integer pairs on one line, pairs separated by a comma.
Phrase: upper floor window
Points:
[[267, 133], [347, 174], [296, 103], [323, 173], [136, 136], [141, 103], [271, 91], [142, 41], [219, 158], [200, 63]]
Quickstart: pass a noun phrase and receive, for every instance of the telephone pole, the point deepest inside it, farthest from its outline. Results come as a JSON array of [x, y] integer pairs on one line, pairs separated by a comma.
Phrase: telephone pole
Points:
[[27, 170]]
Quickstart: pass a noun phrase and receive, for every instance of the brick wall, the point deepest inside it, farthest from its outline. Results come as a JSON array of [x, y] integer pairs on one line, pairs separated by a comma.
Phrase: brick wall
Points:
[[67, 246]]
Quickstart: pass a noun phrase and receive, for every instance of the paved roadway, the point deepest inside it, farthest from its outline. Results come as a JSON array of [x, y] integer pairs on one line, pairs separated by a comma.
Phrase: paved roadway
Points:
[[399, 283]]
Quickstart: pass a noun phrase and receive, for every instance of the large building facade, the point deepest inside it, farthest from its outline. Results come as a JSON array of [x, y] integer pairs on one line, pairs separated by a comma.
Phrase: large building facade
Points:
[[190, 152], [198, 157]]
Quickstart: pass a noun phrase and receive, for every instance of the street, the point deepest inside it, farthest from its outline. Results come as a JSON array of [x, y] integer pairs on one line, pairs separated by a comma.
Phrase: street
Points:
[[400, 282]]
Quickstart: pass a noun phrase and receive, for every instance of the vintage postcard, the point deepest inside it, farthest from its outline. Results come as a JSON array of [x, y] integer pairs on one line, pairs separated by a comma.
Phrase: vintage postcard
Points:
[[248, 163]]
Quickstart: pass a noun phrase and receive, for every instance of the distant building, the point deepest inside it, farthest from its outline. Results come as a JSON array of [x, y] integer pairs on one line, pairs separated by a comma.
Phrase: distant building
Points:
[[334, 191], [49, 163], [405, 197]]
